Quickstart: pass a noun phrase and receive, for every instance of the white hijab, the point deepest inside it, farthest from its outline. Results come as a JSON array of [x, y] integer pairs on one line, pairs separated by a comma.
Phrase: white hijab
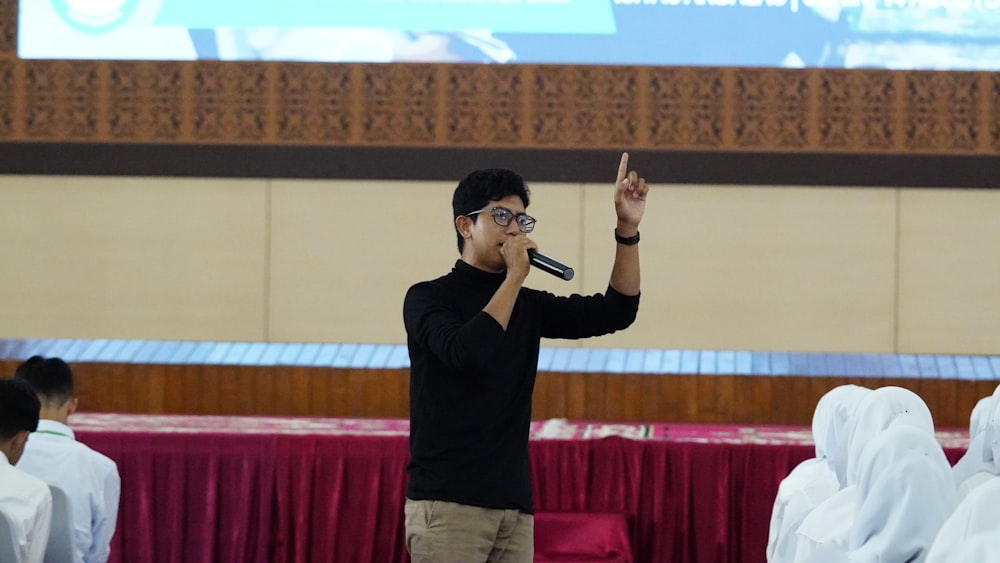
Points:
[[990, 446], [905, 494], [980, 416], [885, 407], [881, 409], [813, 480], [991, 449], [830, 423], [980, 548], [977, 513], [972, 459]]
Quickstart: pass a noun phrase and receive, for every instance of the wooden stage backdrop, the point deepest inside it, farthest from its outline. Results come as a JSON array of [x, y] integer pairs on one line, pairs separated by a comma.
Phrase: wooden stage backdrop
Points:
[[365, 380], [433, 121]]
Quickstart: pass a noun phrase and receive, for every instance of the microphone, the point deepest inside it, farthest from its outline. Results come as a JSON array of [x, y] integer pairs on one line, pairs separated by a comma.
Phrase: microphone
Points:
[[550, 265]]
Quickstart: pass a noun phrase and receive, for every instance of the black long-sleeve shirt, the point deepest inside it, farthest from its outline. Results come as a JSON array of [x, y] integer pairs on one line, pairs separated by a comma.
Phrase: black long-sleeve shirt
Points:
[[471, 382]]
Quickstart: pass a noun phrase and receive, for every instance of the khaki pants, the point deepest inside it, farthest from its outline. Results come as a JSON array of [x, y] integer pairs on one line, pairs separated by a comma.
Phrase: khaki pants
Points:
[[445, 532]]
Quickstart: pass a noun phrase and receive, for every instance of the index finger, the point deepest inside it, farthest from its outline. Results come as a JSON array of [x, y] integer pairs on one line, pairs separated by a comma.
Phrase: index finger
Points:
[[622, 169]]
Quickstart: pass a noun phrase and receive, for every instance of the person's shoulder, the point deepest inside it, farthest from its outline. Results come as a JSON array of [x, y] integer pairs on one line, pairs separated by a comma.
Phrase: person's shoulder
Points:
[[29, 485], [99, 460], [426, 284], [82, 454], [435, 284]]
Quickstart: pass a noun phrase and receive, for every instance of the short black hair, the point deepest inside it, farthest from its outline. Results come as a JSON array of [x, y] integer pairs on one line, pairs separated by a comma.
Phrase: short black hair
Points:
[[51, 378], [480, 187], [19, 408]]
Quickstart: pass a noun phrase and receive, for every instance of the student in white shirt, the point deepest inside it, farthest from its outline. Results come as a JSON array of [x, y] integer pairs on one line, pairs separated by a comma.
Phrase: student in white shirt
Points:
[[26, 500], [89, 478]]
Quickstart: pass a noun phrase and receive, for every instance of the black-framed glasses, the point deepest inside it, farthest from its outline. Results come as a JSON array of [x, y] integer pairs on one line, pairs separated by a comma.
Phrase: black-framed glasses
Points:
[[502, 216]]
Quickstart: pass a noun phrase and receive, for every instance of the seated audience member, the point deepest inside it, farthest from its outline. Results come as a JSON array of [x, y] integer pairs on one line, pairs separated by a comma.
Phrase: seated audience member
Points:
[[25, 499], [89, 478], [832, 520], [978, 513], [814, 480], [905, 494], [989, 468], [972, 461]]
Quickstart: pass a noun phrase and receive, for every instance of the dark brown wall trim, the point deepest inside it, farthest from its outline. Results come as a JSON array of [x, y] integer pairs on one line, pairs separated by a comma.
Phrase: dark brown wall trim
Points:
[[537, 165]]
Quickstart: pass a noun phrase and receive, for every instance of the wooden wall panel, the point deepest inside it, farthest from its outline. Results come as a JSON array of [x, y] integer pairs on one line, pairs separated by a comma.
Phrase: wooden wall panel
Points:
[[384, 393], [369, 381]]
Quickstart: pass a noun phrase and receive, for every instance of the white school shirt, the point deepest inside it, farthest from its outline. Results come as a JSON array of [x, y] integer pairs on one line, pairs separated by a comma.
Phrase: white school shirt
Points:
[[89, 478], [27, 501]]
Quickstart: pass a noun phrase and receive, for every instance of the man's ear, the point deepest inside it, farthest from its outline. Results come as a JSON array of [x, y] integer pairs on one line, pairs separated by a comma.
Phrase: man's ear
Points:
[[71, 407], [19, 440], [463, 224]]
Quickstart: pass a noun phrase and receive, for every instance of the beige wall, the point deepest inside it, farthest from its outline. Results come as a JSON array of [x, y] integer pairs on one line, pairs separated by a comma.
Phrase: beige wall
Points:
[[750, 268]]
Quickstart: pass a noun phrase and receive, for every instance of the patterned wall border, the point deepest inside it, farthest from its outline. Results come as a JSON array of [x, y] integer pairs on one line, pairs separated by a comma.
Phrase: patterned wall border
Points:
[[810, 116]]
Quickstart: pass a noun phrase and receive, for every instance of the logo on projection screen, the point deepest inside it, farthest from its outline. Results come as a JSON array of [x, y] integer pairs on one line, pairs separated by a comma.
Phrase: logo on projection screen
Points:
[[95, 16]]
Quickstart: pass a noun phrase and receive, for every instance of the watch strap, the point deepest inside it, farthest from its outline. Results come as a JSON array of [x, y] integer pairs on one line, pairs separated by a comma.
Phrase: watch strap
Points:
[[627, 241]]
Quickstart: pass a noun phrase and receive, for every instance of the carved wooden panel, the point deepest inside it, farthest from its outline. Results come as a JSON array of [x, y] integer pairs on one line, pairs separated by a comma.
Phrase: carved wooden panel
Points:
[[686, 107], [992, 121], [8, 28], [145, 101], [941, 111], [485, 105], [771, 109], [6, 97], [315, 103], [585, 106], [856, 110], [61, 100], [442, 106], [230, 101], [400, 104]]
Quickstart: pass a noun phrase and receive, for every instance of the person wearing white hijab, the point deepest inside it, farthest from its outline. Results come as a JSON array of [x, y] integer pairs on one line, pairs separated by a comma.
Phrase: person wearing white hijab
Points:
[[977, 513], [905, 493], [972, 460], [831, 521], [815, 479], [980, 548], [990, 466]]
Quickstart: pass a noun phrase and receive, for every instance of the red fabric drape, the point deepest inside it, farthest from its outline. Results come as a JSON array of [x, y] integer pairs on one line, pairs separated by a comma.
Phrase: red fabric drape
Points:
[[192, 498], [691, 502], [231, 489], [579, 537]]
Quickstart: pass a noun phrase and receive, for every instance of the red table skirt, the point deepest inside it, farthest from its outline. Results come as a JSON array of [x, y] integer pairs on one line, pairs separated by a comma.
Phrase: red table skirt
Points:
[[232, 489]]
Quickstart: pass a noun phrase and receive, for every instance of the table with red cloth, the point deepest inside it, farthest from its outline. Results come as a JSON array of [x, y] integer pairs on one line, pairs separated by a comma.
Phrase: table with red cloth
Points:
[[216, 489]]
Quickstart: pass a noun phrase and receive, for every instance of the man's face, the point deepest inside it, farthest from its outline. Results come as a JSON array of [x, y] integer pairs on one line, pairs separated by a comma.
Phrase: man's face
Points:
[[486, 237]]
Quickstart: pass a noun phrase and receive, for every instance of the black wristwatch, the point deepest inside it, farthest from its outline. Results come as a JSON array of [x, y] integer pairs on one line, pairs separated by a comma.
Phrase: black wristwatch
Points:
[[627, 241]]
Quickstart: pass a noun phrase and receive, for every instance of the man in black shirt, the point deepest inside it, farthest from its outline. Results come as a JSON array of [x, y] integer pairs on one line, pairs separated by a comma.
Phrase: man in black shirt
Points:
[[473, 337]]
